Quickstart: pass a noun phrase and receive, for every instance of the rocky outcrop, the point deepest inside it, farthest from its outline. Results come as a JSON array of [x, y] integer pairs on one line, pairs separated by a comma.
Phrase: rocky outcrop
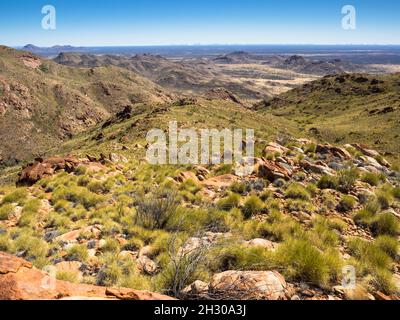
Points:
[[248, 285], [42, 168], [272, 170], [222, 94], [220, 182], [19, 280]]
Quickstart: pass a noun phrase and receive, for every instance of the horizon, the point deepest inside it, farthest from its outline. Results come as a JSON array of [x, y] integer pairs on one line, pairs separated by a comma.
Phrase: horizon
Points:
[[211, 45], [178, 23]]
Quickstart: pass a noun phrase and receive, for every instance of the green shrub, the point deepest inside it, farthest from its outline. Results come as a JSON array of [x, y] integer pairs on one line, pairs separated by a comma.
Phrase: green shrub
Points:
[[310, 148], [111, 245], [328, 182], [190, 186], [67, 275], [97, 187], [44, 68], [369, 254], [34, 249], [266, 195], [154, 211], [78, 252], [239, 257], [6, 244], [18, 196], [241, 188], [223, 169], [6, 210], [364, 217], [312, 189], [81, 170], [301, 261], [58, 221], [384, 198], [396, 193], [388, 244], [373, 179], [336, 224], [373, 206], [77, 195], [297, 191], [194, 220], [252, 206], [230, 202], [385, 224], [297, 205], [109, 275], [347, 179], [280, 227], [347, 203], [29, 213]]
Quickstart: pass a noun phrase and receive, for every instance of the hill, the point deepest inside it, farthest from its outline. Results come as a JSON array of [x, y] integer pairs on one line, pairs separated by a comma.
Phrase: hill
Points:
[[42, 103], [104, 216], [345, 108]]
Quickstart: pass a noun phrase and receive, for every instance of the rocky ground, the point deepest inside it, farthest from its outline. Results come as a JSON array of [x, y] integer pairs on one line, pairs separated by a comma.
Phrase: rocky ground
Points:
[[201, 232]]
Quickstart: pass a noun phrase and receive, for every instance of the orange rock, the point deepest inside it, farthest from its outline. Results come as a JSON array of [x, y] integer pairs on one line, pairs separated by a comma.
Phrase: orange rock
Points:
[[184, 176], [223, 181], [20, 281]]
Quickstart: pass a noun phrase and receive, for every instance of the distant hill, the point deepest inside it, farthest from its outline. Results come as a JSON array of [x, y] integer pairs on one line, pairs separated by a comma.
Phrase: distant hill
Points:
[[318, 67], [42, 103], [345, 108], [54, 50]]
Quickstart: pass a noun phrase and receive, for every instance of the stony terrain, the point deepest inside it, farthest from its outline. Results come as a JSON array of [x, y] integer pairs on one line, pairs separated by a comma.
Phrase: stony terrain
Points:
[[92, 212], [285, 232]]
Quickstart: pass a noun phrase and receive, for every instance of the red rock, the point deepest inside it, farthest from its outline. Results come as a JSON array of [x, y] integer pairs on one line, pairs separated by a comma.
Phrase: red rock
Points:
[[20, 281], [273, 148], [365, 150], [129, 294], [42, 168], [271, 170], [334, 151], [219, 182], [184, 176]]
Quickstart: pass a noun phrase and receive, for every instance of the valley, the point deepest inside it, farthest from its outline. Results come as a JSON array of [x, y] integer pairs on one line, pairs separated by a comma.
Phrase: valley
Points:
[[79, 196]]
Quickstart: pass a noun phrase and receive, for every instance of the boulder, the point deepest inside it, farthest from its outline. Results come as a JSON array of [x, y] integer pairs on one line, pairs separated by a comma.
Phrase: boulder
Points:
[[146, 265], [273, 148], [365, 150], [196, 289], [185, 176], [271, 171], [19, 280], [248, 285], [42, 168], [117, 158], [220, 182], [337, 152], [48, 167], [73, 236], [356, 293], [316, 168], [263, 243]]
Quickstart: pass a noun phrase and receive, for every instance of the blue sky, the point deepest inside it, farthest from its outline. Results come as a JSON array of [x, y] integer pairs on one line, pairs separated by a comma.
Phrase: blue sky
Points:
[[166, 22]]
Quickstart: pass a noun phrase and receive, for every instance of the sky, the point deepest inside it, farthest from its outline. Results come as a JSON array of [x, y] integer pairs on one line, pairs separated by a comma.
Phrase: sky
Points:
[[188, 22]]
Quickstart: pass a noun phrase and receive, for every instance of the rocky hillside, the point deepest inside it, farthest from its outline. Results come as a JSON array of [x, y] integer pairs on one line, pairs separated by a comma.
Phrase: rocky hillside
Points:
[[345, 109], [103, 216], [318, 67], [42, 103]]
